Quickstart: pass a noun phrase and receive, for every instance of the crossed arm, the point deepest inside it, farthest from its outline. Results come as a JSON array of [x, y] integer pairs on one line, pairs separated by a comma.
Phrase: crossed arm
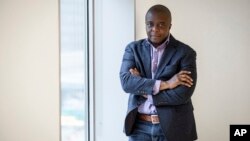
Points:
[[175, 91], [181, 78]]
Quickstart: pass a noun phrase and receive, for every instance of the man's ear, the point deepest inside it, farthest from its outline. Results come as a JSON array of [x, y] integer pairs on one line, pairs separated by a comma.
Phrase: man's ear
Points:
[[170, 26]]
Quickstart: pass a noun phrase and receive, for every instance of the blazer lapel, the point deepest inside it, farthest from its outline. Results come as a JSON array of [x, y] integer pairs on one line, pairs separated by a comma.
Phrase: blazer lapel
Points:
[[166, 56], [146, 59]]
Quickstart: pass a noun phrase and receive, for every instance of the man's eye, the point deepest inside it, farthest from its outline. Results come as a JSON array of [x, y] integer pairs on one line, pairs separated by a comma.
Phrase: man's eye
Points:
[[162, 25], [149, 24]]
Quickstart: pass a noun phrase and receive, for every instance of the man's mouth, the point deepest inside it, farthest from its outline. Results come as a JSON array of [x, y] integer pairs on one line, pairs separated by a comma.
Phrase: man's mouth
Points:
[[155, 36]]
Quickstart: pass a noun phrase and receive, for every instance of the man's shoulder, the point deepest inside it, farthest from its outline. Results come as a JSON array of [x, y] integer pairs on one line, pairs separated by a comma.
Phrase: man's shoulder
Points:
[[181, 46], [138, 43]]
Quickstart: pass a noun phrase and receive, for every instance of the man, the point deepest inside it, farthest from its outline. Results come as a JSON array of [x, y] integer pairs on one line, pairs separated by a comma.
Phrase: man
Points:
[[160, 74]]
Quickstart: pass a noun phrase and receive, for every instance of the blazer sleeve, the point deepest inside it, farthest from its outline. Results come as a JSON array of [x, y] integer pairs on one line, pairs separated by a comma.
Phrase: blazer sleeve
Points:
[[181, 94], [133, 84]]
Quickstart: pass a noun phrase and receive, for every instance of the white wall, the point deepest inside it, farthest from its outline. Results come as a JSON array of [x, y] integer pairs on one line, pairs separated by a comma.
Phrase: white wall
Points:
[[114, 29], [29, 70], [219, 31]]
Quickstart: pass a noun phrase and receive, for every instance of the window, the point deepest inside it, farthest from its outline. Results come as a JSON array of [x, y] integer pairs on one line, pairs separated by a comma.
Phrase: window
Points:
[[90, 108], [73, 23]]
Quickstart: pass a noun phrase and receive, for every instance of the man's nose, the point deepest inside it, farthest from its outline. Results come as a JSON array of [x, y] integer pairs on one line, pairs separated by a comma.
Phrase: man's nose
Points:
[[155, 28]]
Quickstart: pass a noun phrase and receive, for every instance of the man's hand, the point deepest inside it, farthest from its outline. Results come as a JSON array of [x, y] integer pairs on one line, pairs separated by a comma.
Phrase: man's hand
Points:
[[181, 78], [135, 72]]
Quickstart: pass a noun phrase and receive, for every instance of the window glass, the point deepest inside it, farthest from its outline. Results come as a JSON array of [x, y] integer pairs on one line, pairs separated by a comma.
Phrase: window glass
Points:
[[73, 36]]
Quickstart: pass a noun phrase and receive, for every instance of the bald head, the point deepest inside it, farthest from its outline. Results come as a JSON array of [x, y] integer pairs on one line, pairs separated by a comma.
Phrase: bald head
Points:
[[160, 9]]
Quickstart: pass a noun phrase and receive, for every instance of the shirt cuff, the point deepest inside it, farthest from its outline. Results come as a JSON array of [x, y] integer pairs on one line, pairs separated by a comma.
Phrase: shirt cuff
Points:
[[156, 87]]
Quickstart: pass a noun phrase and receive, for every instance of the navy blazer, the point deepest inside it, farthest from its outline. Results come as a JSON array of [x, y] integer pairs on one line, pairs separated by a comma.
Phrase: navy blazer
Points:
[[174, 106]]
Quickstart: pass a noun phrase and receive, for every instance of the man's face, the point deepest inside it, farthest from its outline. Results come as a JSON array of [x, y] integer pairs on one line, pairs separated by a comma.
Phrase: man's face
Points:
[[157, 27]]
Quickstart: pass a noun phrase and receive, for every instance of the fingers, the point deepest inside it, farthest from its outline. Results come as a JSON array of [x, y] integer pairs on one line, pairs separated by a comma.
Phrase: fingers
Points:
[[131, 71], [184, 72], [134, 71], [185, 79], [186, 84]]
